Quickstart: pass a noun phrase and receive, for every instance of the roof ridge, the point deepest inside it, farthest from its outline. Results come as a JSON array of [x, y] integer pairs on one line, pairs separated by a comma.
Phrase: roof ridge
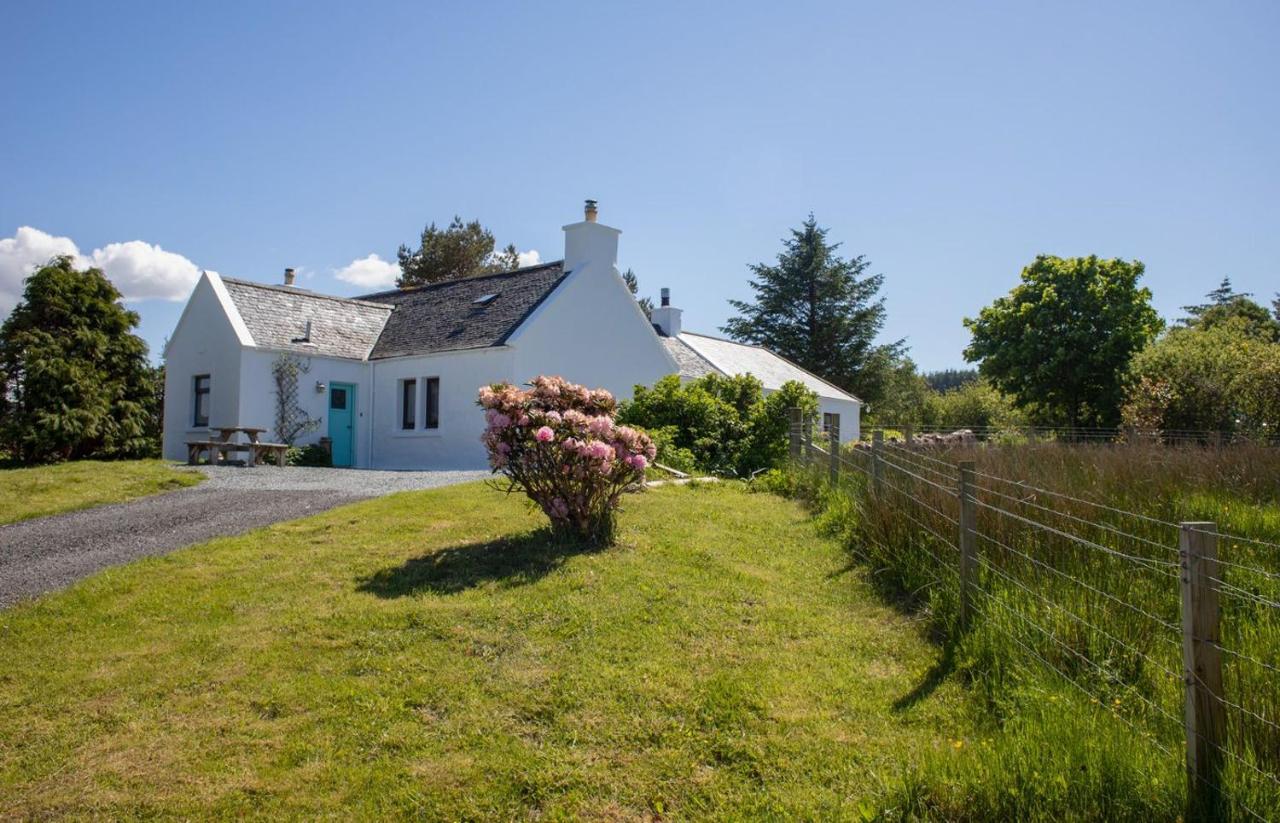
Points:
[[304, 292], [456, 280], [794, 365]]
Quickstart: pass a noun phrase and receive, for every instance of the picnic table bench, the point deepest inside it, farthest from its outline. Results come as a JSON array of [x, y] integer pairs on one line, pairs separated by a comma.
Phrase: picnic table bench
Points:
[[221, 444]]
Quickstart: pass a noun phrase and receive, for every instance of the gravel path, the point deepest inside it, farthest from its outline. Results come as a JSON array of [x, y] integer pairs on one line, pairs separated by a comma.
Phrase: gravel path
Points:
[[49, 553], [350, 481]]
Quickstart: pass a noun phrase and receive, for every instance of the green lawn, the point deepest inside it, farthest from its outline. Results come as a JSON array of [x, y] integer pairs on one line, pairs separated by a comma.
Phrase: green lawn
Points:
[[36, 492], [429, 654]]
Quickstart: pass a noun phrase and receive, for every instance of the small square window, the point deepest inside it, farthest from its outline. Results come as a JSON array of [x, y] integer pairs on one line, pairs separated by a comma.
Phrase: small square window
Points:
[[338, 399], [201, 405]]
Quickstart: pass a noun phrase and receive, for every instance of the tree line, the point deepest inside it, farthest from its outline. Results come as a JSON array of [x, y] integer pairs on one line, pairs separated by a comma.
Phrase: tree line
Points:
[[1075, 342]]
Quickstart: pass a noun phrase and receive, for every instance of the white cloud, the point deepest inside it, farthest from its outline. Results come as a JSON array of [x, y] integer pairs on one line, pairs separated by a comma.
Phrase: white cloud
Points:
[[142, 271], [139, 270], [370, 272], [529, 258], [22, 254]]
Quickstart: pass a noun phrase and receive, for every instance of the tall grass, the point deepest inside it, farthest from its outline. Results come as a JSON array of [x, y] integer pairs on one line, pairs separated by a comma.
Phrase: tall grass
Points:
[[1074, 653]]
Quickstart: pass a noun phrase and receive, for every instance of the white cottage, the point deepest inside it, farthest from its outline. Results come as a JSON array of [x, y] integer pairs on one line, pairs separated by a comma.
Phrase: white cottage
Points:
[[392, 377]]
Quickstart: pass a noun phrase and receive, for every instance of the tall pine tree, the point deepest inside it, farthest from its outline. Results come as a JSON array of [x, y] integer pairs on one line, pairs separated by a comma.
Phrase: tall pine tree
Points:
[[819, 311], [74, 379]]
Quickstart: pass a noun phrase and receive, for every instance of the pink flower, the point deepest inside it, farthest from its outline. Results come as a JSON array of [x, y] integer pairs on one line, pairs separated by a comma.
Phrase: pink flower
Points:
[[638, 461], [545, 434]]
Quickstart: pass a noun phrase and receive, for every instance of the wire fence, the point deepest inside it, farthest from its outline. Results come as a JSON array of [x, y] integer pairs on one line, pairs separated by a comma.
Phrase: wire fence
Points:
[[1116, 435], [1172, 627]]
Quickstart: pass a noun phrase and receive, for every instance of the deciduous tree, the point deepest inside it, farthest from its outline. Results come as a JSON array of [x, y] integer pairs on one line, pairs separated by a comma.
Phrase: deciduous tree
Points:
[[1061, 340]]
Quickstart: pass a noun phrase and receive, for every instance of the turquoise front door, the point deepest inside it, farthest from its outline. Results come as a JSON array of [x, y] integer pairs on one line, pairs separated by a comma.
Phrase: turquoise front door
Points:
[[342, 422]]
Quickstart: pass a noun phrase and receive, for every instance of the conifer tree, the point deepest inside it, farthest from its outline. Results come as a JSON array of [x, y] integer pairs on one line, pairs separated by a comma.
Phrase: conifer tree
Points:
[[74, 379], [819, 311]]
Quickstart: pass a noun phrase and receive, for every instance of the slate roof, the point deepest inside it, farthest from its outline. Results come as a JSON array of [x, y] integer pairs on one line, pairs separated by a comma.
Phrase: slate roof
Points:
[[446, 316], [277, 319], [691, 364], [771, 370]]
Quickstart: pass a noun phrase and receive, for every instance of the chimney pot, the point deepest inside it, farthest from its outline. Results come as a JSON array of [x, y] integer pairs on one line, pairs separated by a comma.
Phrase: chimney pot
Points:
[[666, 296], [591, 211], [288, 277]]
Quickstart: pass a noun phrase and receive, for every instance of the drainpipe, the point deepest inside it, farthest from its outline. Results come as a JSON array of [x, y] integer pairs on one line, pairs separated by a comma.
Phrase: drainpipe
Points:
[[373, 395]]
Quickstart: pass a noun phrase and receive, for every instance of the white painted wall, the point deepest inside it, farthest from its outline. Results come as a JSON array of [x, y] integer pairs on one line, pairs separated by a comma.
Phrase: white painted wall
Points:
[[258, 397], [850, 416], [456, 443], [205, 341], [590, 330]]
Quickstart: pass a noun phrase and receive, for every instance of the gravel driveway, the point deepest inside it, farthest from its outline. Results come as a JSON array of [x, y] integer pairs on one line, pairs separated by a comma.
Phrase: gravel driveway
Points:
[[49, 553]]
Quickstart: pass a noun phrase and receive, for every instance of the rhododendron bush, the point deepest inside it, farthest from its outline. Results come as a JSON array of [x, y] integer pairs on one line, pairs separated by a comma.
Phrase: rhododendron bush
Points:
[[559, 444]]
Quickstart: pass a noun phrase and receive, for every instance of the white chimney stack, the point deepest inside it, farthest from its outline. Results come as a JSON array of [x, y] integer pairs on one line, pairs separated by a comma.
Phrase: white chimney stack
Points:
[[591, 244], [288, 277], [666, 316]]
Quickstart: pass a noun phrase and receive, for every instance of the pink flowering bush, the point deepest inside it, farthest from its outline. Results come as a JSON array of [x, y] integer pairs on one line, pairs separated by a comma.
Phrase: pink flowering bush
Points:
[[559, 444]]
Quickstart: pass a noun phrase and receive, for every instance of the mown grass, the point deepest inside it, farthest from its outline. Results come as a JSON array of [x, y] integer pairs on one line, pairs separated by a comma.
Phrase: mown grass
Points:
[[45, 490], [1074, 654], [433, 655]]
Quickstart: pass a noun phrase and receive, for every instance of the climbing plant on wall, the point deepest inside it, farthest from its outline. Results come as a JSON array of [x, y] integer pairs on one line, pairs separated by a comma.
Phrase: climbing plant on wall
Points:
[[292, 421]]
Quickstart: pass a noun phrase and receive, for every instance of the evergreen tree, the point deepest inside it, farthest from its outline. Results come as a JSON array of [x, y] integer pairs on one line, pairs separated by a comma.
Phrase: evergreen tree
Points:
[[821, 312], [1224, 305], [456, 251], [948, 379], [74, 379], [633, 283]]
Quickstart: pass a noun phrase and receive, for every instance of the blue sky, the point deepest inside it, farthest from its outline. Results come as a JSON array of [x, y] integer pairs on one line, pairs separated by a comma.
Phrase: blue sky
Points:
[[949, 143]]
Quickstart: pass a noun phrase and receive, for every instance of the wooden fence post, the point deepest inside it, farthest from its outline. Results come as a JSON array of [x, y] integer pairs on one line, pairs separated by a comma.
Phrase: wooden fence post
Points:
[[968, 538], [833, 452], [1202, 668], [908, 435], [877, 470], [807, 429], [795, 416]]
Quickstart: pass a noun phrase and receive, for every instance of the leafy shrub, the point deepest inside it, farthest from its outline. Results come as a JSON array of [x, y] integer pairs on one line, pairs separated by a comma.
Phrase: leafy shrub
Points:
[[669, 454], [973, 404], [313, 455], [721, 424], [1220, 378], [558, 443]]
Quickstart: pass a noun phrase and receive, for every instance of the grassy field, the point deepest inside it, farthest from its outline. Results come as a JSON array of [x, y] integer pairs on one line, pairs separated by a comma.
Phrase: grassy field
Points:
[[430, 654], [36, 492], [1077, 615]]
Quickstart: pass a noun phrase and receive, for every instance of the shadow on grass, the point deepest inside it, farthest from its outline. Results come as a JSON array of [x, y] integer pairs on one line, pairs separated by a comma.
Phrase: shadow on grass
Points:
[[933, 678], [509, 561]]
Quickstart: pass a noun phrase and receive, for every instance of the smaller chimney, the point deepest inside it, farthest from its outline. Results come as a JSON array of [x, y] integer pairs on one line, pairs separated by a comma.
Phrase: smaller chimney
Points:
[[288, 277], [591, 211], [666, 316]]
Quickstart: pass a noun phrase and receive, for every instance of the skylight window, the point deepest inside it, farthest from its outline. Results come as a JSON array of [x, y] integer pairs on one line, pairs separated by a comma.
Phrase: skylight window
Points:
[[485, 299]]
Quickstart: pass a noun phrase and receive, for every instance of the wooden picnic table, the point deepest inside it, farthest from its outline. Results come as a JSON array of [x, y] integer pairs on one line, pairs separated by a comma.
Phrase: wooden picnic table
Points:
[[227, 432], [221, 443]]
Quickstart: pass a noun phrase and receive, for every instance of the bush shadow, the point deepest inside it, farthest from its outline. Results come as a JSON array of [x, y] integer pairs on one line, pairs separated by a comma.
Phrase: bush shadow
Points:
[[508, 561]]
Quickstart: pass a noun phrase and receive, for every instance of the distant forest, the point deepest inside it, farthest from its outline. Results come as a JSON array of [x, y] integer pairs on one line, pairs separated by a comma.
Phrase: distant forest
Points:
[[948, 379]]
